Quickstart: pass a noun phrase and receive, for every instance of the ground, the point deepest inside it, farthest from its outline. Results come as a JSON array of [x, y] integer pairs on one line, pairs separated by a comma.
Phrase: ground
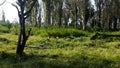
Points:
[[61, 52]]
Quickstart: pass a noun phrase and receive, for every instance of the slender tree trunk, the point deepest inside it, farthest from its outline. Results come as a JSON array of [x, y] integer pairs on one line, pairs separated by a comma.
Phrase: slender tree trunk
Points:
[[22, 37], [76, 16], [66, 22], [115, 23], [109, 24], [60, 14]]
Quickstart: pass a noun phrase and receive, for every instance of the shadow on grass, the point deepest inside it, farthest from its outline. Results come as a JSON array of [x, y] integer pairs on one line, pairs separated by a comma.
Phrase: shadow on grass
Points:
[[54, 61]]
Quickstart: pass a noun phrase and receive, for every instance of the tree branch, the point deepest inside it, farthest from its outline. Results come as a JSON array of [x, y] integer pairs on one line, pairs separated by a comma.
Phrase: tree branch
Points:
[[26, 14], [2, 2], [16, 8]]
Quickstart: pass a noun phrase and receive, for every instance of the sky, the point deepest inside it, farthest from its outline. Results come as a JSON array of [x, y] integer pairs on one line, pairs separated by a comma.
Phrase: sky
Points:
[[10, 11]]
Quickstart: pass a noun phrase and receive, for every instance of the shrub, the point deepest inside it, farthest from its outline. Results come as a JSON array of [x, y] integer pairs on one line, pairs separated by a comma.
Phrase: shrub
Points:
[[4, 40], [3, 55], [39, 31], [64, 32], [15, 29], [4, 29]]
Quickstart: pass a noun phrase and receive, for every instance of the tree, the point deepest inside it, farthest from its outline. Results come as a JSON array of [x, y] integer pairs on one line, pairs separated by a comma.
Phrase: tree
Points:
[[23, 15], [3, 16], [99, 7], [48, 11], [110, 13], [73, 10], [60, 11], [3, 13], [85, 12], [35, 16]]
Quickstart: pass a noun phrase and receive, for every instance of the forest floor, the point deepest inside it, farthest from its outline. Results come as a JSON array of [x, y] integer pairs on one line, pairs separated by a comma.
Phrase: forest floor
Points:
[[55, 52]]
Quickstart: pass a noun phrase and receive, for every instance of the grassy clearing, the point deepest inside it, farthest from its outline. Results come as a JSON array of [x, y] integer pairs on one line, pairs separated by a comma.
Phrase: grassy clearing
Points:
[[56, 50]]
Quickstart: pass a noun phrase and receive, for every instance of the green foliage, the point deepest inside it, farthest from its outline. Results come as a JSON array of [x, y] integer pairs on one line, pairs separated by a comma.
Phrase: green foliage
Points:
[[39, 31], [6, 24], [64, 32], [49, 51], [4, 29], [3, 55], [58, 32], [4, 40], [15, 29]]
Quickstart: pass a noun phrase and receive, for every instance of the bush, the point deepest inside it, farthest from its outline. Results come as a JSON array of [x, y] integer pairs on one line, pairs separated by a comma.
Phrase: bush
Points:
[[6, 41], [3, 55], [52, 31], [15, 29], [6, 24], [4, 29], [39, 31], [65, 32]]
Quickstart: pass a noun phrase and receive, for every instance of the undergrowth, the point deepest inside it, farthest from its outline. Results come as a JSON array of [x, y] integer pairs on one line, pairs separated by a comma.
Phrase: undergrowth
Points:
[[59, 48]]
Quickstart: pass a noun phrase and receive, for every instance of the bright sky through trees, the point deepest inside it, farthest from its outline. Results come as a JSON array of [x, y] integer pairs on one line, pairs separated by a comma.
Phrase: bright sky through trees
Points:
[[10, 11]]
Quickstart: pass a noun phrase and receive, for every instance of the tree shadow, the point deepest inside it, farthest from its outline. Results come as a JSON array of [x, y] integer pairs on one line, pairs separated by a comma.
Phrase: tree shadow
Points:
[[55, 61]]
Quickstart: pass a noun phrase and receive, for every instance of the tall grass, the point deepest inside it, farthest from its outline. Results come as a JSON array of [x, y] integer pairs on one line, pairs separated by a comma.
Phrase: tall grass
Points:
[[59, 48]]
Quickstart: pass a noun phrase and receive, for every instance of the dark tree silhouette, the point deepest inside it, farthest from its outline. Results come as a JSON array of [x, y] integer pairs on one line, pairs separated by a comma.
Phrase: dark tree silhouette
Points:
[[23, 15]]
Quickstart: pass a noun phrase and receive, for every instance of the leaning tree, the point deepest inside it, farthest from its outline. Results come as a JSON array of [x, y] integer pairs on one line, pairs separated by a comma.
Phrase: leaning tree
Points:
[[23, 14]]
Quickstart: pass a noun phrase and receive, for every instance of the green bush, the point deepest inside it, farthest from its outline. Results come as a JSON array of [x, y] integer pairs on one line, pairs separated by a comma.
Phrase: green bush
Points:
[[3, 55], [39, 31], [15, 29], [65, 32], [4, 29], [6, 24], [51, 31]]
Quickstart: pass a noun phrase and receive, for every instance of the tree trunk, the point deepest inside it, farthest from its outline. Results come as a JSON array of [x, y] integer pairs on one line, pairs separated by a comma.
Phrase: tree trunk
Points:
[[76, 16], [22, 37], [60, 14], [115, 23]]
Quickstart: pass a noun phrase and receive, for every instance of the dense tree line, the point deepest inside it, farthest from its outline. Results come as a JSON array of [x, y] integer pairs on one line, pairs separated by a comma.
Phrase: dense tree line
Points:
[[105, 14]]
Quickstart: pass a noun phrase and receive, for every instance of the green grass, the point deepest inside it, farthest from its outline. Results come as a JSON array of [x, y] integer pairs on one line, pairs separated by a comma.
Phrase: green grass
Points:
[[60, 51], [78, 52]]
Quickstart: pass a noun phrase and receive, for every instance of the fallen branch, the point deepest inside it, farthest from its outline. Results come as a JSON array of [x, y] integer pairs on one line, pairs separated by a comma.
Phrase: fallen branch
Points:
[[97, 35]]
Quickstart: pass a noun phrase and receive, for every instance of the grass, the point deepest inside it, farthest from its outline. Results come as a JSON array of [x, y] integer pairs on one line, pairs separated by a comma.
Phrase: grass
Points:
[[60, 51]]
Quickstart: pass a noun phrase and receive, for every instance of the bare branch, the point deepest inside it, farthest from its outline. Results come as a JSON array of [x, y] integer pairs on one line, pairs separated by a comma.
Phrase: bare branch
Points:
[[16, 8], [2, 2]]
